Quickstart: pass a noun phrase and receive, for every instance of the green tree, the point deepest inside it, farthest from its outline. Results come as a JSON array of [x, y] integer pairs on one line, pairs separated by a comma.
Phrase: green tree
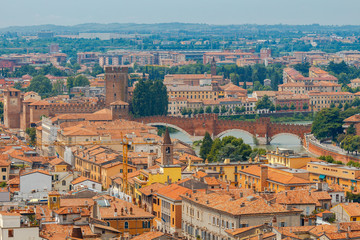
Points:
[[41, 85], [340, 106], [196, 111], [351, 130], [327, 124], [292, 106], [346, 106], [223, 110], [216, 110], [242, 109], [58, 87], [356, 102], [305, 106], [229, 147], [201, 110], [70, 83], [2, 111], [18, 86], [31, 132], [264, 103], [183, 111], [332, 105], [206, 146], [149, 99], [81, 81], [189, 112], [285, 107], [237, 110], [208, 109], [97, 69]]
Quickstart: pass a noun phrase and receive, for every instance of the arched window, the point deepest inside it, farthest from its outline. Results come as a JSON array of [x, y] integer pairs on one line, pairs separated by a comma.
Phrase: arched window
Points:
[[126, 225], [63, 182]]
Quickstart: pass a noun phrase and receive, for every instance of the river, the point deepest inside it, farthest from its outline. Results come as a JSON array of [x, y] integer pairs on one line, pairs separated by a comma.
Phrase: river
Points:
[[282, 141]]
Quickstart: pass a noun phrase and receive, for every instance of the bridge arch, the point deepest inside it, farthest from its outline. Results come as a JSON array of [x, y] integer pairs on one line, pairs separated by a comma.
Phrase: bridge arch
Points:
[[232, 130], [153, 124], [286, 133]]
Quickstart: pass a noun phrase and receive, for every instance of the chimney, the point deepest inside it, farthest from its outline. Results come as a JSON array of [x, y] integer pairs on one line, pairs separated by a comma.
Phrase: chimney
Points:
[[263, 177], [115, 212], [76, 232]]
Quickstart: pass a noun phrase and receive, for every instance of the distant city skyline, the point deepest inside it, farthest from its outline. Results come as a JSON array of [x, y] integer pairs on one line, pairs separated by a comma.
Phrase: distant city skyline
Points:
[[72, 12]]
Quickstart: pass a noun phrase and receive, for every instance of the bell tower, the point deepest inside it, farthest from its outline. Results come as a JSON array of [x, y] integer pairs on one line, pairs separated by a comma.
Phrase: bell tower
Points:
[[167, 156], [213, 67]]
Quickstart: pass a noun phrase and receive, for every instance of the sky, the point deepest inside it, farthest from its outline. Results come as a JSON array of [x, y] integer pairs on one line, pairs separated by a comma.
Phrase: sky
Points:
[[218, 12]]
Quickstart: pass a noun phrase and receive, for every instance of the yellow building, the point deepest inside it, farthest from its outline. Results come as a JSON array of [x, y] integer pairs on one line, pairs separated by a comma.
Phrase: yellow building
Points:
[[320, 100], [166, 172], [346, 177], [53, 200], [287, 158], [193, 92], [228, 171], [272, 178], [99, 163], [347, 212], [59, 165]]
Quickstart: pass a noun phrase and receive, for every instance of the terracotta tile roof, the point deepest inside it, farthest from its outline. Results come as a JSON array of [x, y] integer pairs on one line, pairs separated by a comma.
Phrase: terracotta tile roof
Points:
[[36, 171], [83, 211], [76, 202], [40, 103], [151, 189], [148, 236], [82, 179], [57, 161], [353, 209], [321, 229], [276, 176], [118, 204], [211, 181], [235, 205], [15, 181], [173, 192], [237, 231]]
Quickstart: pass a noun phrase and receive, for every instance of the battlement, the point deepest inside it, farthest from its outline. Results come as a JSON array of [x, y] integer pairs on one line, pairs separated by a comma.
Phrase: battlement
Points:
[[116, 69]]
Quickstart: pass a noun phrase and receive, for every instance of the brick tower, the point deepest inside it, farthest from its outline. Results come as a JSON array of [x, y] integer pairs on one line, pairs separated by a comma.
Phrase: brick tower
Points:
[[12, 108], [213, 67], [116, 84], [167, 157]]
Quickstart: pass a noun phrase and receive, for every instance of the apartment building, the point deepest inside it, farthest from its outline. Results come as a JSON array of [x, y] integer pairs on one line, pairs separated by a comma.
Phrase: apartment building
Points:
[[345, 176], [287, 158], [209, 214], [275, 178], [320, 100]]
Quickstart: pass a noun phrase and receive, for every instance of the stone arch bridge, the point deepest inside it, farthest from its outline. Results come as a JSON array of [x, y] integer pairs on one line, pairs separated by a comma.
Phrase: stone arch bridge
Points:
[[195, 128]]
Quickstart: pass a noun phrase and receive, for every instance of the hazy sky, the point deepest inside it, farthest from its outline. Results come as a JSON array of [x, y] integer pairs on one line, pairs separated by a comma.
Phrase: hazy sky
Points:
[[71, 12]]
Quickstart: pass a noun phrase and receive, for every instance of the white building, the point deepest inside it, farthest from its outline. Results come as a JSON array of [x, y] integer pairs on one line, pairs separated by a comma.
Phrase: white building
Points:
[[11, 228], [49, 135], [35, 184], [82, 182]]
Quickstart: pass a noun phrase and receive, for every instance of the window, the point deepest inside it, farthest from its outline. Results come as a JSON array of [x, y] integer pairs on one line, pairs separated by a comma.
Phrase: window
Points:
[[354, 219], [93, 185], [11, 233], [4, 177], [54, 199], [3, 169], [126, 226], [63, 182]]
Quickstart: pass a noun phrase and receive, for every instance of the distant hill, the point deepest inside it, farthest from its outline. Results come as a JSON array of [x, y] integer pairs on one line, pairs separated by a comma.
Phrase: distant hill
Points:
[[176, 27]]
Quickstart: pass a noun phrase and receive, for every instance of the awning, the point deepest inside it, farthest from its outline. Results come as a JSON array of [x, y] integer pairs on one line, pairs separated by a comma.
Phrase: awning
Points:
[[322, 177]]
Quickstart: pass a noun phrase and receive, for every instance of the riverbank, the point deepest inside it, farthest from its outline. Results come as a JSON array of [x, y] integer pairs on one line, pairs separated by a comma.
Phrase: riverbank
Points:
[[313, 146]]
